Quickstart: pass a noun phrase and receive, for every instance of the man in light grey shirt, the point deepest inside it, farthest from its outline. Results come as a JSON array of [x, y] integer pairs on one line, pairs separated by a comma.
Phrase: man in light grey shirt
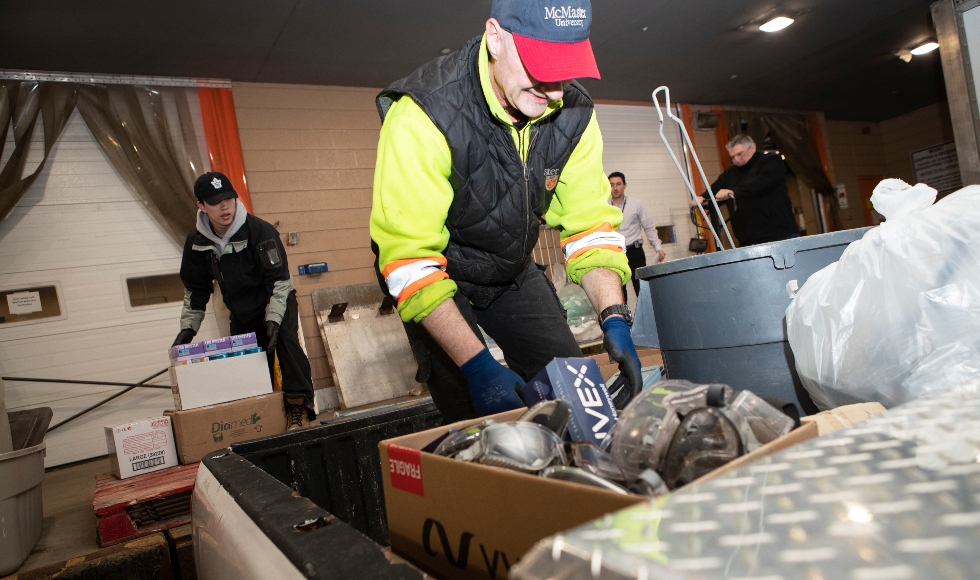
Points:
[[635, 222]]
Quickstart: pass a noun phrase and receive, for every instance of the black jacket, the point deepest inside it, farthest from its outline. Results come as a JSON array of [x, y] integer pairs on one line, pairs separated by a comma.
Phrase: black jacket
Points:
[[246, 285], [762, 211], [498, 202]]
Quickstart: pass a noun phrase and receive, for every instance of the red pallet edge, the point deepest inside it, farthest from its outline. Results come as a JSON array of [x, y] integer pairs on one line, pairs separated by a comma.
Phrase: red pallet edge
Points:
[[118, 528], [113, 495]]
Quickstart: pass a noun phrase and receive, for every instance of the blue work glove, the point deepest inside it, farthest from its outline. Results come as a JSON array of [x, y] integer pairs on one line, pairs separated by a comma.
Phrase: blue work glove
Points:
[[492, 385], [619, 345]]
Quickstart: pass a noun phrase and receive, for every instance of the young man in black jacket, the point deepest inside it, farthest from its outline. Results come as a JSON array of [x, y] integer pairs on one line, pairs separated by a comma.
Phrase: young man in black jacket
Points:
[[244, 254], [754, 188]]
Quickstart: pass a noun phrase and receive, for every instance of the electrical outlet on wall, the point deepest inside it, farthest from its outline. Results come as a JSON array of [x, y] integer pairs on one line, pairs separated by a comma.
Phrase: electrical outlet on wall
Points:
[[292, 238]]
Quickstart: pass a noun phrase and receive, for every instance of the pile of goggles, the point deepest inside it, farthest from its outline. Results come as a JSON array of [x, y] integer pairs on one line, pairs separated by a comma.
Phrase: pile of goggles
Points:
[[668, 436]]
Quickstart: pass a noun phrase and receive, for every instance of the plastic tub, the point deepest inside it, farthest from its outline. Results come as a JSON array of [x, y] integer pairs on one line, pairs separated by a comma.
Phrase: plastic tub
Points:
[[21, 512], [720, 317]]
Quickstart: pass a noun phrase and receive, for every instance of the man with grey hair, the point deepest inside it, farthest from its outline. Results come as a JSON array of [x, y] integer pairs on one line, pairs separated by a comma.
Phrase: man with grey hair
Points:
[[754, 189], [477, 148]]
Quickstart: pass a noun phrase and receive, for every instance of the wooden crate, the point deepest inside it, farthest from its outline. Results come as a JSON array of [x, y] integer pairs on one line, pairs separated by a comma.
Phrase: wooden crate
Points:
[[143, 505]]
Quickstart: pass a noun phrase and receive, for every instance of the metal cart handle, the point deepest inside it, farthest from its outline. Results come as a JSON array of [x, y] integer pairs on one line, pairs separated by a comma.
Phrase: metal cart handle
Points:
[[697, 163]]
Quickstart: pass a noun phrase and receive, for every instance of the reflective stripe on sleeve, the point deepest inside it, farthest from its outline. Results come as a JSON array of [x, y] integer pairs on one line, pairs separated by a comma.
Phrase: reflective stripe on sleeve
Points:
[[406, 277], [601, 237]]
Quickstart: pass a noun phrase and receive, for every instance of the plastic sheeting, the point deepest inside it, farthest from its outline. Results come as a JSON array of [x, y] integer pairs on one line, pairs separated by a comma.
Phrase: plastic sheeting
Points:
[[147, 135], [898, 317], [24, 103]]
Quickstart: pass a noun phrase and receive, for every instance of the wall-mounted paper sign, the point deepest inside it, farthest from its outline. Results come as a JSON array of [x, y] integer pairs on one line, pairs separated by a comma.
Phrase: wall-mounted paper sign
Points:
[[840, 192], [938, 167], [24, 302]]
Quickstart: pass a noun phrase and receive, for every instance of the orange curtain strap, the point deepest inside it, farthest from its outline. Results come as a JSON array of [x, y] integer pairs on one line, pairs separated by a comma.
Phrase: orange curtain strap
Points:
[[224, 144]]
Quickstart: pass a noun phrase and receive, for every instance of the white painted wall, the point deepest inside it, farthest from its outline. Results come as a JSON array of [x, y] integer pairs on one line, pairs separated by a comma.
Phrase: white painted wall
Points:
[[632, 145], [81, 227]]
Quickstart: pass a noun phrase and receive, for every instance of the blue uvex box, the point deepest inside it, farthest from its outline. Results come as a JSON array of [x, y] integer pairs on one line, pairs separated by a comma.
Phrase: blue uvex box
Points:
[[578, 381]]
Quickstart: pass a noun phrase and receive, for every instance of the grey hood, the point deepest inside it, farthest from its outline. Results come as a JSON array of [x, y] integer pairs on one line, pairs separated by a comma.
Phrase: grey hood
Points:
[[204, 226]]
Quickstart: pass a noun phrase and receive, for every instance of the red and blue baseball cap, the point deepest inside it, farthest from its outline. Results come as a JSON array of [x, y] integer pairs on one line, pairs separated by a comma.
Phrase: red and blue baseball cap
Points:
[[551, 37]]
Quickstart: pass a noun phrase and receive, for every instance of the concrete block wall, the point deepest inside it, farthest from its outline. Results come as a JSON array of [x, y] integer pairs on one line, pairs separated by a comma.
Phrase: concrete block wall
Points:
[[857, 150], [903, 135], [885, 148], [309, 156]]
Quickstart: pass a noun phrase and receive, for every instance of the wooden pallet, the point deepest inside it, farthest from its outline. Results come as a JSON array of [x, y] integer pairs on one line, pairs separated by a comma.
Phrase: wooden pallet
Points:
[[143, 505]]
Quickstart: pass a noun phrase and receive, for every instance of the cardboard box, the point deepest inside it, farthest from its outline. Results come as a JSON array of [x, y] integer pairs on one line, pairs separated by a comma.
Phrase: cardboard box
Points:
[[217, 346], [183, 352], [243, 341], [463, 520], [201, 431], [576, 380], [834, 419], [219, 381], [648, 357], [141, 447]]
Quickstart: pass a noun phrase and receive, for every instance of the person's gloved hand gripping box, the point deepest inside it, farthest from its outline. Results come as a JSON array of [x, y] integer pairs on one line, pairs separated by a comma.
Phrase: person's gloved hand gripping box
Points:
[[578, 381]]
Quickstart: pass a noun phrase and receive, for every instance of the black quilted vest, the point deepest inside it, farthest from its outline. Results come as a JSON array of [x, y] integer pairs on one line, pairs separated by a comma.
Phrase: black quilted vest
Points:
[[498, 203]]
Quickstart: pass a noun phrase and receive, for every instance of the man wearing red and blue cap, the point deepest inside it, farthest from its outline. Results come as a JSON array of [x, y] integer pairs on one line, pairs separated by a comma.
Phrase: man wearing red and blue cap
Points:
[[477, 148]]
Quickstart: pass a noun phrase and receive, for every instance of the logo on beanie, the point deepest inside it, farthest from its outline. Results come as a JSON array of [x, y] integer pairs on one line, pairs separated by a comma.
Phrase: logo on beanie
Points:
[[566, 15], [216, 183]]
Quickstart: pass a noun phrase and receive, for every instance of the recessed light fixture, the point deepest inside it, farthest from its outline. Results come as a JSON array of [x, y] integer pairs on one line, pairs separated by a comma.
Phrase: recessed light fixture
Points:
[[924, 48], [777, 23], [446, 51]]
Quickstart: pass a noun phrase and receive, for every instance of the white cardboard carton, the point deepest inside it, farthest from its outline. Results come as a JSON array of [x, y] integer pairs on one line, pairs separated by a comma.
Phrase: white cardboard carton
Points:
[[141, 447], [220, 381]]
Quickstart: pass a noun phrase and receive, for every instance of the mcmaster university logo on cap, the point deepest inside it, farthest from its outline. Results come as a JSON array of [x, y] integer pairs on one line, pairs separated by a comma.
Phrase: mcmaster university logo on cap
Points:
[[552, 37], [566, 15]]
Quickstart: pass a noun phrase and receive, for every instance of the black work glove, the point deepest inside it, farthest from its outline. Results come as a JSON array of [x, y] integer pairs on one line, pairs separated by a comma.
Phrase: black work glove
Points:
[[619, 344], [184, 337], [272, 331]]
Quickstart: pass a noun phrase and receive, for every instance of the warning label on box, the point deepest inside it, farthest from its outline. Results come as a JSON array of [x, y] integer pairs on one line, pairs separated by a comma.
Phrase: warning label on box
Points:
[[405, 467], [144, 442]]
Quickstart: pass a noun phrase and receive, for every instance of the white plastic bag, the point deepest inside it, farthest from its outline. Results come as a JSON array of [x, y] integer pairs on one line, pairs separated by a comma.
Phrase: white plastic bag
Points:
[[898, 316]]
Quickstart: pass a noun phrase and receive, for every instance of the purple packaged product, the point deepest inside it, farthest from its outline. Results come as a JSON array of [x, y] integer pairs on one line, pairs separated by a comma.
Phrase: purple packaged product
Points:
[[243, 341], [187, 351], [217, 346], [578, 381]]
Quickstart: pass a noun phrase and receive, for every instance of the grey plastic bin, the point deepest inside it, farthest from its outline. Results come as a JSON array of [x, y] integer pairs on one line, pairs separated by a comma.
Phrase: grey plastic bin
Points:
[[720, 317], [21, 511]]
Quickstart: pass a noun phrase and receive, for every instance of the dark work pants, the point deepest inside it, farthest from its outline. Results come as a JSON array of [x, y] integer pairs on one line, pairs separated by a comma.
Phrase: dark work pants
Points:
[[527, 322], [637, 258], [295, 367]]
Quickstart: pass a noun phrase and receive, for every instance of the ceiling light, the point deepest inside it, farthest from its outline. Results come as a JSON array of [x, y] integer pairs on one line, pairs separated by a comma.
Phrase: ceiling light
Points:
[[924, 48], [777, 23]]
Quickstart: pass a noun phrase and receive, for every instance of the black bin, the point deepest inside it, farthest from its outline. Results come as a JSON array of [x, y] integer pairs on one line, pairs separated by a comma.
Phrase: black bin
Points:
[[337, 466]]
